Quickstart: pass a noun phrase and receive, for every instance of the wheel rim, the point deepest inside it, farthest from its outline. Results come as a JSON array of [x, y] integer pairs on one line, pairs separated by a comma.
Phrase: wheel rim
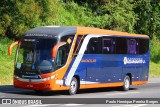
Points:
[[127, 83], [73, 86]]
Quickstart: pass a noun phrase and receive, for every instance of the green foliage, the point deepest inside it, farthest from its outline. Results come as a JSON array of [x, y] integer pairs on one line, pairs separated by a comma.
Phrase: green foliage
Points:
[[6, 62], [155, 49], [135, 16], [20, 16], [154, 69], [148, 12]]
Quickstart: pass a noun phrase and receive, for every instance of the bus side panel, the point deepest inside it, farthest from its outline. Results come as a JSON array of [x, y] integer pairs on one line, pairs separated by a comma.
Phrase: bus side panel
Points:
[[98, 68], [145, 70], [111, 66], [137, 66], [91, 65], [80, 71], [144, 73]]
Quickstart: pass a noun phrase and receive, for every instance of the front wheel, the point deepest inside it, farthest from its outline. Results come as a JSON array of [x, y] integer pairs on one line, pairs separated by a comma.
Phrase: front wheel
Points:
[[126, 85], [73, 86]]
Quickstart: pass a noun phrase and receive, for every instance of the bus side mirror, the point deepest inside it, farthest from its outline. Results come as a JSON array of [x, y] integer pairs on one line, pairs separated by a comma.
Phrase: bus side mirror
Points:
[[56, 47], [10, 47]]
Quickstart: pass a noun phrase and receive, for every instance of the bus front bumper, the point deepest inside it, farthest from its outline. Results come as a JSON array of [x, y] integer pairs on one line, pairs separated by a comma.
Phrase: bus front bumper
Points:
[[28, 84]]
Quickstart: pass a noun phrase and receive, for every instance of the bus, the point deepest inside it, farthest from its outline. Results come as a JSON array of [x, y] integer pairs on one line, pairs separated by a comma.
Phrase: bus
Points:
[[72, 58]]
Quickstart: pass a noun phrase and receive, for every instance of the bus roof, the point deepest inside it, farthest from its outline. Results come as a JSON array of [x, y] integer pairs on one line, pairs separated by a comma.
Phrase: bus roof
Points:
[[68, 30], [83, 30]]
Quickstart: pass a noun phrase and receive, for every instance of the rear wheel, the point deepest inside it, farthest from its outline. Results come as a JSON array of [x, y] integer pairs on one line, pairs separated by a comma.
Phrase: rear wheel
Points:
[[73, 86], [126, 85]]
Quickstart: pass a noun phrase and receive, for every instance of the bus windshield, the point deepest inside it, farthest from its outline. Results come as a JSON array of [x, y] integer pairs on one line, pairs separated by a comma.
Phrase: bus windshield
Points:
[[35, 55]]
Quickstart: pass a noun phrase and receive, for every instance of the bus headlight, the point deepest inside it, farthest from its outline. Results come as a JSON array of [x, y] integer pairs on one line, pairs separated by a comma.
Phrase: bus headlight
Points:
[[49, 78]]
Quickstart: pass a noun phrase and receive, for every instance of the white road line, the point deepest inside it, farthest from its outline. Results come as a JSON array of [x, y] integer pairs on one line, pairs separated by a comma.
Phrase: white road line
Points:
[[123, 93], [72, 105], [140, 105], [43, 105], [128, 105], [135, 105]]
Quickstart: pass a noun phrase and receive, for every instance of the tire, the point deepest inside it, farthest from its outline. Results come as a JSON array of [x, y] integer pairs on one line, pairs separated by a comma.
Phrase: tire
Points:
[[126, 85], [73, 86]]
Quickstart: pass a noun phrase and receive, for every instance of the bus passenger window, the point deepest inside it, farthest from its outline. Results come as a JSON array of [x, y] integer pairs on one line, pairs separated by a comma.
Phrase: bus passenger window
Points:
[[143, 46], [131, 46], [108, 46], [93, 46], [121, 45]]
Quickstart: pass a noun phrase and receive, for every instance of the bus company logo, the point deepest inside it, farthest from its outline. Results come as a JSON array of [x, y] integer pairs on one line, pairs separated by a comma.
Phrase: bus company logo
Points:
[[133, 60], [88, 60]]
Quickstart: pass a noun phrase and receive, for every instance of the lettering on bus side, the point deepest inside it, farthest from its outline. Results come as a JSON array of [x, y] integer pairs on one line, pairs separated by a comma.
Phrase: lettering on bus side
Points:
[[88, 60], [133, 60]]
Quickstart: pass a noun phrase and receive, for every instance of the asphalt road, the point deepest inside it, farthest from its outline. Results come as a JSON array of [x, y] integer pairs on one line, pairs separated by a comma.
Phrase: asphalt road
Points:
[[149, 90]]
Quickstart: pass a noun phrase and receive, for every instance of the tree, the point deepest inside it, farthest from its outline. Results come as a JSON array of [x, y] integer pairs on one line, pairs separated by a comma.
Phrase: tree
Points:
[[148, 12]]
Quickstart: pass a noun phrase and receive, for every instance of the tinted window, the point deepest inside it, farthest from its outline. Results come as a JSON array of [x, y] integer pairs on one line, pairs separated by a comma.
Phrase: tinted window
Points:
[[94, 46], [35, 55], [131, 46], [121, 46], [143, 46], [108, 45], [62, 56], [65, 38]]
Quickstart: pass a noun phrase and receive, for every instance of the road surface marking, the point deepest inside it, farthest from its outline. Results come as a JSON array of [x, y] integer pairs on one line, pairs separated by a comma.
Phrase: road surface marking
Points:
[[72, 105], [140, 105], [123, 93], [130, 105], [43, 105]]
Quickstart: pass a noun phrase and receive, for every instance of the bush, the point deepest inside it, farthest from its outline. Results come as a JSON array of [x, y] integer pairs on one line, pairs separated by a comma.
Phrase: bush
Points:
[[155, 49], [6, 62]]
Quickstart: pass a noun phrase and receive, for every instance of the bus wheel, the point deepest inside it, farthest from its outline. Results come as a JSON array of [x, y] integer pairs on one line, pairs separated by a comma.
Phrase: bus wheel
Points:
[[73, 86], [126, 85]]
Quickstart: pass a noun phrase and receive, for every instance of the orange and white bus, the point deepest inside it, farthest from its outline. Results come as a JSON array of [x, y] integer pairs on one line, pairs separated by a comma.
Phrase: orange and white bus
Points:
[[72, 58]]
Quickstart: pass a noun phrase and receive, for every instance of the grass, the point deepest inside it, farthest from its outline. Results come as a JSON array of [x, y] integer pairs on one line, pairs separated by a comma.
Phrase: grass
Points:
[[7, 63], [154, 69]]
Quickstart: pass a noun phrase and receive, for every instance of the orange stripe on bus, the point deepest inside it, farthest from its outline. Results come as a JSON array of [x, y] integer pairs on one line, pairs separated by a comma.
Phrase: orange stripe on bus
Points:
[[110, 84], [101, 85], [139, 82]]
